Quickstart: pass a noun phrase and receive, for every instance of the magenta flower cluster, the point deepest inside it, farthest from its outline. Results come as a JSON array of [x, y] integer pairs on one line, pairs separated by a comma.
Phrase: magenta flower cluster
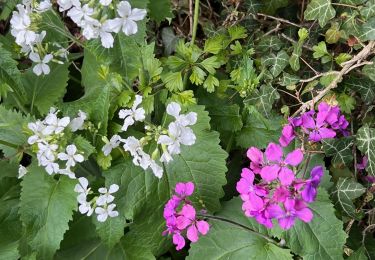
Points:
[[319, 125], [180, 216], [279, 194]]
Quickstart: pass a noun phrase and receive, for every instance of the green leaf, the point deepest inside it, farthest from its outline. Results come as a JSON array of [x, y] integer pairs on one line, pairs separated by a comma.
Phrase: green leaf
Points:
[[320, 50], [159, 10], [369, 70], [359, 254], [229, 241], [340, 150], [269, 42], [226, 117], [46, 207], [210, 83], [289, 79], [45, 91], [320, 10], [276, 62], [237, 32], [366, 144], [364, 86], [169, 39], [323, 237], [215, 44], [173, 81], [342, 58], [211, 64], [263, 99], [270, 6], [84, 146], [347, 103], [197, 76], [344, 193], [368, 10], [368, 30], [333, 34]]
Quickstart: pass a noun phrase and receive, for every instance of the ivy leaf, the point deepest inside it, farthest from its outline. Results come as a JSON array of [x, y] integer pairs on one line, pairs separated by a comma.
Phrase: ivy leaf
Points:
[[269, 42], [159, 10], [340, 150], [323, 237], [263, 99], [368, 30], [366, 144], [289, 79], [228, 241], [277, 62], [368, 10], [46, 207], [369, 70], [364, 86], [270, 6], [320, 10], [345, 192]]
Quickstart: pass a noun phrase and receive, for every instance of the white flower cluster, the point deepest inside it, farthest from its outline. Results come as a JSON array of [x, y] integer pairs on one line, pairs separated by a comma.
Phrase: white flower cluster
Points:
[[46, 135], [84, 13], [101, 205], [178, 133], [86, 17]]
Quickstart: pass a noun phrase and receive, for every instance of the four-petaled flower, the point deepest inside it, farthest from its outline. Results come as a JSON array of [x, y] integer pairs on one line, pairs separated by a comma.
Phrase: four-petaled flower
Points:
[[132, 115], [105, 196], [104, 213], [41, 66], [71, 156]]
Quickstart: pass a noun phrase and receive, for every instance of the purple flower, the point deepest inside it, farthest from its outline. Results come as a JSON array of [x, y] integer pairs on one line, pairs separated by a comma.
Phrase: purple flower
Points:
[[327, 113], [256, 157], [184, 189], [310, 190], [294, 209], [363, 164], [187, 219], [278, 166], [287, 135], [246, 185], [318, 129], [178, 240]]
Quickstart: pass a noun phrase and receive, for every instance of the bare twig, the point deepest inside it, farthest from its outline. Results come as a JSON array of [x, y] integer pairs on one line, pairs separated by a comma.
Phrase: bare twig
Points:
[[355, 62], [308, 65], [318, 76], [282, 20], [294, 41], [277, 28]]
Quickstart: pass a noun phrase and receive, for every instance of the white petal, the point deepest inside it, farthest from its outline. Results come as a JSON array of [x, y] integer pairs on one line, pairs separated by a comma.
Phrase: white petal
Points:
[[113, 214], [103, 190], [127, 122], [138, 14], [124, 113], [137, 101], [102, 217], [63, 156], [101, 200], [165, 139], [38, 69], [124, 9], [79, 158], [34, 57], [84, 182], [47, 58], [64, 121], [139, 114], [129, 27], [45, 68], [174, 109], [106, 39], [113, 188]]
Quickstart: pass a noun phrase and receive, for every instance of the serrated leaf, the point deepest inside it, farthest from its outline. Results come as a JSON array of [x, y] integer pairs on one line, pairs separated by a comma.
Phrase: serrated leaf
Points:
[[364, 86], [160, 10], [228, 241], [173, 81], [320, 10], [276, 62], [211, 64], [197, 76], [46, 207], [45, 91], [210, 83], [323, 237], [84, 146], [366, 144], [340, 150], [214, 44], [263, 99], [344, 193]]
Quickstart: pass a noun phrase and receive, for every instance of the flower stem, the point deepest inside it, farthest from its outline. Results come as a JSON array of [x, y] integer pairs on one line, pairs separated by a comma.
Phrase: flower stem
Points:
[[242, 226], [195, 24], [9, 144]]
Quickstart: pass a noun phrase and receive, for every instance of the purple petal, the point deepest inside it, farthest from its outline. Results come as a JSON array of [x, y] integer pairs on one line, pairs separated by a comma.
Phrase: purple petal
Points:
[[286, 222], [189, 188], [256, 203], [203, 227], [309, 193], [287, 135], [294, 158], [326, 133], [179, 241], [289, 204], [274, 211], [281, 194], [308, 121], [274, 152], [192, 233], [315, 136], [270, 173], [305, 215], [248, 175], [182, 222], [255, 155], [286, 176]]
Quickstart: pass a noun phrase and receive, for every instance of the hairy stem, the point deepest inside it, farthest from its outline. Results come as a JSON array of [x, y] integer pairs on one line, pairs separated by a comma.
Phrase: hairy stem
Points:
[[195, 24]]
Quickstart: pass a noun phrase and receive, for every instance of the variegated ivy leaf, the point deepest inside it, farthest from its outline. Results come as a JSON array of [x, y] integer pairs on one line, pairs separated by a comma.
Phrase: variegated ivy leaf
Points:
[[276, 62], [320, 10], [368, 30], [366, 144], [263, 99], [269, 42], [345, 192], [368, 10], [339, 149], [369, 70], [364, 86]]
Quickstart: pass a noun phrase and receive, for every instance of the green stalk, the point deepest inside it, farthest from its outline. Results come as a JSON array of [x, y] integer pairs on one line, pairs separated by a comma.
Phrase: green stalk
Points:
[[195, 24]]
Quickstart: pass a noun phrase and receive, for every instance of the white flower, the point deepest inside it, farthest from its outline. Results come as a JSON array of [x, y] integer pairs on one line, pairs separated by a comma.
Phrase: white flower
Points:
[[21, 171], [112, 144], [54, 124], [133, 114], [156, 169], [71, 156], [20, 24], [79, 14], [106, 196], [37, 129], [128, 18], [68, 172], [77, 123], [41, 67], [47, 151], [177, 135], [90, 28], [82, 186], [51, 167], [67, 4], [105, 35], [105, 2], [174, 109], [44, 6], [85, 208], [27, 48], [104, 213]]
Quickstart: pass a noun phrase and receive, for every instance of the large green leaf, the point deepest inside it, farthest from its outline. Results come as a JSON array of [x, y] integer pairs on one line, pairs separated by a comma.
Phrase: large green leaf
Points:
[[345, 192], [323, 237], [270, 6], [368, 30], [277, 62], [44, 91], [142, 196], [366, 144], [364, 86], [229, 241], [320, 10], [46, 207], [160, 10], [339, 149]]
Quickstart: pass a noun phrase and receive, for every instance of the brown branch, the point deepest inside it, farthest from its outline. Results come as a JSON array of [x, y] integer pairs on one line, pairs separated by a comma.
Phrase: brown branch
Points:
[[279, 19], [355, 62]]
